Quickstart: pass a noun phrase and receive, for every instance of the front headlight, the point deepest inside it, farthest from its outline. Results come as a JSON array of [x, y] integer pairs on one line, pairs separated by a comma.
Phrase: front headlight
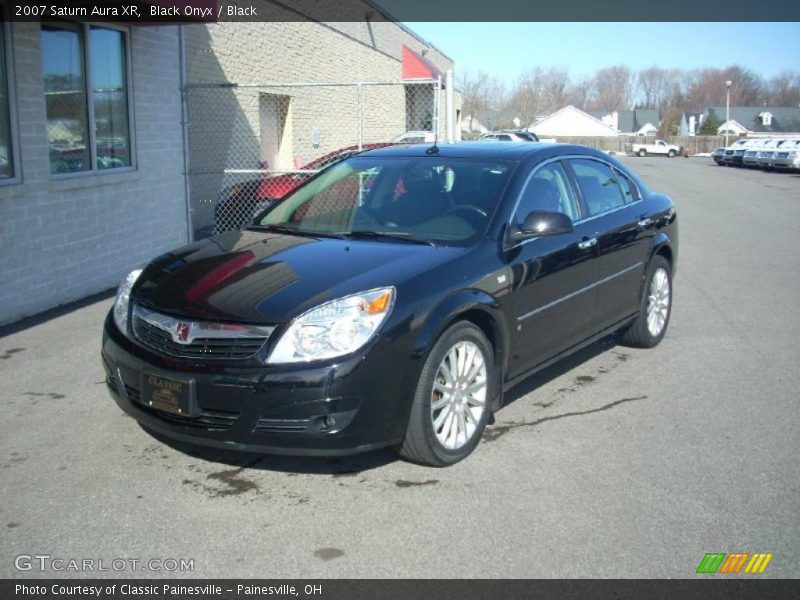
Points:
[[122, 303], [335, 328]]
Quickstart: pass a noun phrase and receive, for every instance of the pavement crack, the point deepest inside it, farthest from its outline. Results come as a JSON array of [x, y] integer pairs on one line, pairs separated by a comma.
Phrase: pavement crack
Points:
[[402, 483], [10, 352], [498, 431], [51, 395]]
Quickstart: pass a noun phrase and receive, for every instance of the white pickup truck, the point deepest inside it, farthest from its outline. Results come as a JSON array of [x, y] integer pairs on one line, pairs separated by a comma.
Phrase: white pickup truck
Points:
[[658, 147]]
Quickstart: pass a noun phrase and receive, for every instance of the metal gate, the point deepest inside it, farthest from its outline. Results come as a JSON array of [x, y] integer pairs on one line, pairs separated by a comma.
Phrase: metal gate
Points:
[[250, 144]]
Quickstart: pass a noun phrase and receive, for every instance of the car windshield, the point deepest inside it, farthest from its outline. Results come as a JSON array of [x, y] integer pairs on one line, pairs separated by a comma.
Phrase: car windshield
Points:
[[427, 199]]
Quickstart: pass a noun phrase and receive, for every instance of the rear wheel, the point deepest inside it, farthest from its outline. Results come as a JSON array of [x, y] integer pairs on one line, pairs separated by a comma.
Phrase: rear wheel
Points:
[[450, 406], [656, 306], [642, 152]]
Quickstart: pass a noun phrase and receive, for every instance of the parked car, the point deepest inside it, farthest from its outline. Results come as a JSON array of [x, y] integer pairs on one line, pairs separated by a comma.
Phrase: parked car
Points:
[[764, 158], [416, 137], [717, 155], [238, 203], [785, 157], [750, 158], [659, 147], [509, 135], [391, 299], [730, 151], [737, 158]]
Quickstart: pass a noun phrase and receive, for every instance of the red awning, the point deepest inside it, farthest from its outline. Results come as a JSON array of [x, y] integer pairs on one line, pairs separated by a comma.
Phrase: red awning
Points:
[[417, 67]]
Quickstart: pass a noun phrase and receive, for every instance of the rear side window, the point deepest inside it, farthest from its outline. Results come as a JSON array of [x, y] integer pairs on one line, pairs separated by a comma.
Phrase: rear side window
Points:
[[599, 186], [629, 191]]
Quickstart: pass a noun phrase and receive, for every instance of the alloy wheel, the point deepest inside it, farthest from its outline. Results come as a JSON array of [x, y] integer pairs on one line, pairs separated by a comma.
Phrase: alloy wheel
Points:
[[658, 302], [458, 398]]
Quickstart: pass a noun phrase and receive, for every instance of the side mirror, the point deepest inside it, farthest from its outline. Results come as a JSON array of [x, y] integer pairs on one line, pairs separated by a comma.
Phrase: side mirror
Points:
[[541, 223]]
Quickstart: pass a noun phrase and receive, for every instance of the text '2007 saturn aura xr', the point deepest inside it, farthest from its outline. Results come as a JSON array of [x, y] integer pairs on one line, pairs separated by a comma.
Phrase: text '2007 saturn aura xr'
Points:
[[391, 299]]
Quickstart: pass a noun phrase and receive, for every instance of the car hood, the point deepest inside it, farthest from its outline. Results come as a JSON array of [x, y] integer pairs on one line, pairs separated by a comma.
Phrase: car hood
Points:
[[261, 277]]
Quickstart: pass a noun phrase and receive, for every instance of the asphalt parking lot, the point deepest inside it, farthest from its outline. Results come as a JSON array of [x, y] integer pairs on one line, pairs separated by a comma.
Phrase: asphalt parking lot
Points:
[[615, 463]]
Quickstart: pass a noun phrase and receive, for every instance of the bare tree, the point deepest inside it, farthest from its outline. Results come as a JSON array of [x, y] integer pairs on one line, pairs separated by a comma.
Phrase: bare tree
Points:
[[480, 92], [527, 94], [555, 83], [579, 92], [654, 85], [784, 89], [613, 88], [707, 87]]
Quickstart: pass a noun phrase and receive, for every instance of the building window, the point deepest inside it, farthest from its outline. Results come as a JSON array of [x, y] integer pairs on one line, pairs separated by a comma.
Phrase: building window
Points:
[[766, 119], [8, 168], [86, 91]]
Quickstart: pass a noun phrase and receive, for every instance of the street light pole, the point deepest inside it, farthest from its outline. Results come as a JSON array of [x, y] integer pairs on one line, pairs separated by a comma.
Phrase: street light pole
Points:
[[727, 110]]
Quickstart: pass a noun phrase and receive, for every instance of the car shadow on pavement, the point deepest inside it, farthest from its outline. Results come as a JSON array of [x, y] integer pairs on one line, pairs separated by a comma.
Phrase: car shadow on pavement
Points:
[[314, 465], [351, 465], [556, 370]]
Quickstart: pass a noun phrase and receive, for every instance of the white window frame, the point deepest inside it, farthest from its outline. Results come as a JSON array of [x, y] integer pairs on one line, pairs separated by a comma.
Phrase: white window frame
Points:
[[13, 133], [94, 171]]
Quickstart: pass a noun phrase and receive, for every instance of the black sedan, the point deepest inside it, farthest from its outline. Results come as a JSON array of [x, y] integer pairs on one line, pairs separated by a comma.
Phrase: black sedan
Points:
[[392, 299]]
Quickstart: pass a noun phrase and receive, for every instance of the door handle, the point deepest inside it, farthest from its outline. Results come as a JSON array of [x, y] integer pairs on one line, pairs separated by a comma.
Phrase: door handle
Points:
[[645, 221], [587, 243]]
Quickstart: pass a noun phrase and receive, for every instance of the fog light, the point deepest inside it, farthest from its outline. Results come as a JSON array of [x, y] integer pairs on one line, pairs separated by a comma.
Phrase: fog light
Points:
[[326, 423]]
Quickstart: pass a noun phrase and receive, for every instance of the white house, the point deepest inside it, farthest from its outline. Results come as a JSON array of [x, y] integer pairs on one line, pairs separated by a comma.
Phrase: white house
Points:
[[571, 121], [471, 124]]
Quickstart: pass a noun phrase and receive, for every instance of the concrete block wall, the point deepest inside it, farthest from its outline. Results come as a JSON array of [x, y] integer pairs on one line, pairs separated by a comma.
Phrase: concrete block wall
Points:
[[64, 239]]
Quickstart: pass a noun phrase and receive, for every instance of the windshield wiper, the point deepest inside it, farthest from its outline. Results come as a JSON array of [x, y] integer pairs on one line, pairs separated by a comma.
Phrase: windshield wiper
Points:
[[293, 230], [366, 234]]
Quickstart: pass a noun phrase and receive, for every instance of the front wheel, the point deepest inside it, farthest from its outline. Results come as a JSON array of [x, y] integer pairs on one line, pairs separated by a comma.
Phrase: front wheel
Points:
[[671, 154], [450, 406], [656, 306]]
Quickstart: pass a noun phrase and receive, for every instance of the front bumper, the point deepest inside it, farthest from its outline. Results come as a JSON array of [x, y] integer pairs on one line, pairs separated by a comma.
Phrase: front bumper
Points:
[[785, 162], [336, 408]]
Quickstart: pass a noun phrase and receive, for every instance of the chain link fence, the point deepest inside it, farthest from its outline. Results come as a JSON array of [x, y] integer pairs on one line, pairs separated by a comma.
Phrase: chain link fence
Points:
[[251, 144]]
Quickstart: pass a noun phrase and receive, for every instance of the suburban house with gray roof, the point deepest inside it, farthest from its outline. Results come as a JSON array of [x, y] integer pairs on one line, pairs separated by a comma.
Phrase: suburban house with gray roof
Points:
[[639, 121], [745, 120]]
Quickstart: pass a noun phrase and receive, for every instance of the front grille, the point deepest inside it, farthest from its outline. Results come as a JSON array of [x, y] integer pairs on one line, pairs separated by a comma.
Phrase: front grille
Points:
[[222, 348], [207, 419], [281, 425]]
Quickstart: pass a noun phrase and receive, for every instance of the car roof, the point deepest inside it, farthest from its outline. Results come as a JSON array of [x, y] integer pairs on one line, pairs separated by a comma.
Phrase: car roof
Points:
[[501, 150]]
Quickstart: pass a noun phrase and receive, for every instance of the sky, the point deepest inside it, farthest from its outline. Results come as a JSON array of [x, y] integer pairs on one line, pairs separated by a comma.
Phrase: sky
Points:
[[507, 49]]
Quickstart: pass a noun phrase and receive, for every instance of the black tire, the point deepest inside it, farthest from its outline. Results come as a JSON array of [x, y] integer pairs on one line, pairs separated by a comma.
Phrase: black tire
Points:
[[671, 154], [421, 444], [638, 334], [642, 152]]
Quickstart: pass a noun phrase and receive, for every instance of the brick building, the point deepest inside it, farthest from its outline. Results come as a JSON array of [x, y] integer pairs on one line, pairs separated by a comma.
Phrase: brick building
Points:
[[94, 178]]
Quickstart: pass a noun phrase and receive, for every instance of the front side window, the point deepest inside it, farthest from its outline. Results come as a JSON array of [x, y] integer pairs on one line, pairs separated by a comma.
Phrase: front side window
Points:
[[7, 170], [599, 186], [86, 93], [449, 201], [548, 190]]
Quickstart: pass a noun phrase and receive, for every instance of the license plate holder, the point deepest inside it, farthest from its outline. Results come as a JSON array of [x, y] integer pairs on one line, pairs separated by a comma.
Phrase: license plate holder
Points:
[[169, 394]]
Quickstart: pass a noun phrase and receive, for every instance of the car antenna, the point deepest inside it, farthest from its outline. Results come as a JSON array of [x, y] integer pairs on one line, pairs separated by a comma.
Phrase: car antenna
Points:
[[435, 148]]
